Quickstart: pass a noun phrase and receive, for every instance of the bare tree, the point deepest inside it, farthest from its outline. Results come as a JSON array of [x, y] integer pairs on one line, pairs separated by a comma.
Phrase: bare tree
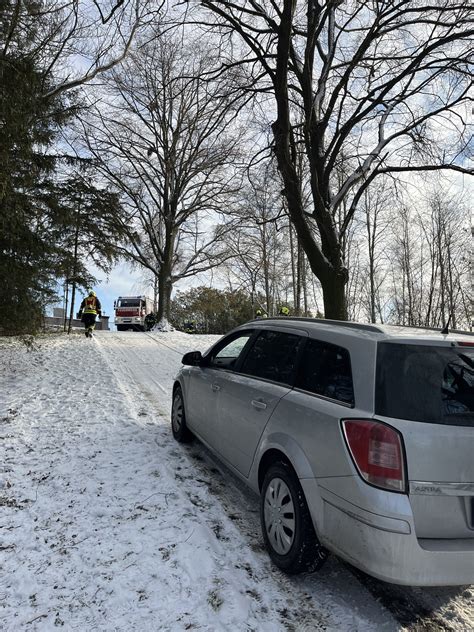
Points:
[[430, 268], [405, 268], [383, 83], [262, 257], [376, 206], [167, 140], [74, 42], [447, 294]]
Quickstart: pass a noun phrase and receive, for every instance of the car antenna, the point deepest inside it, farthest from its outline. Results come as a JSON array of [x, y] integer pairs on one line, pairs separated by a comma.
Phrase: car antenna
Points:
[[445, 329]]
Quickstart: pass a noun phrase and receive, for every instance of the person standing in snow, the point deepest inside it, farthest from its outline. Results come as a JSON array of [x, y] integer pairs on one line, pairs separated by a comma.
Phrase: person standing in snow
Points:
[[150, 321], [90, 308]]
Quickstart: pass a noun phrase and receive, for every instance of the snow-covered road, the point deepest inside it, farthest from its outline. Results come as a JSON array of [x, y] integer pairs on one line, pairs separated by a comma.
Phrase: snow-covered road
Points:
[[107, 524]]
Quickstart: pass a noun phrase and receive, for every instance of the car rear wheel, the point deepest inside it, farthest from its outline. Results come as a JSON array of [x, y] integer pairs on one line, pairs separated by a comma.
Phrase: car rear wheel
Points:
[[178, 418], [286, 523]]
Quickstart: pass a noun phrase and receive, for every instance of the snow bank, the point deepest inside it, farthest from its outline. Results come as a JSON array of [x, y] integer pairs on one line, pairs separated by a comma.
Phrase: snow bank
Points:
[[163, 326]]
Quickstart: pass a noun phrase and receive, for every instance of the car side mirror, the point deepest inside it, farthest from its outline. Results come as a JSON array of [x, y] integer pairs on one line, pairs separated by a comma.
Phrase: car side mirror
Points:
[[193, 358]]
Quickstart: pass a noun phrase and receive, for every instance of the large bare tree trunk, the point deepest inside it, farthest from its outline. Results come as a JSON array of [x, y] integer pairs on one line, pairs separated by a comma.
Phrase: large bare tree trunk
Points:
[[164, 298], [334, 296], [165, 279], [325, 262]]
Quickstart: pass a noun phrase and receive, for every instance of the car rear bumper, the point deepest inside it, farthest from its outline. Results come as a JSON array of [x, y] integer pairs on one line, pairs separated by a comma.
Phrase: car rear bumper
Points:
[[386, 547]]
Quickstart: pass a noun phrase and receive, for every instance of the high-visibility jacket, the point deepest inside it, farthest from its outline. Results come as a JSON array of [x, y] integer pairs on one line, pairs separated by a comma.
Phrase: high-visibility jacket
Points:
[[90, 305]]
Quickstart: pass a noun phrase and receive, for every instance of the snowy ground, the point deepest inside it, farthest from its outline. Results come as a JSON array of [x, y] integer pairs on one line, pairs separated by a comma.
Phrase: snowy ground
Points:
[[107, 524]]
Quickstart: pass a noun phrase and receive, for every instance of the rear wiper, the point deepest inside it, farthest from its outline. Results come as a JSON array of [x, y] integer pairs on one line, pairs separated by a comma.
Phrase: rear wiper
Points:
[[469, 361]]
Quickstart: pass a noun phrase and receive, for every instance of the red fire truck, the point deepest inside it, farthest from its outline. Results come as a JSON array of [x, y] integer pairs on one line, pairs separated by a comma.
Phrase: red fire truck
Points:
[[130, 312]]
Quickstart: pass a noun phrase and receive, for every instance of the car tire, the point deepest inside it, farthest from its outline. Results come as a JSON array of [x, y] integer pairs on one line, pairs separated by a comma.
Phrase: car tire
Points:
[[287, 527], [179, 428]]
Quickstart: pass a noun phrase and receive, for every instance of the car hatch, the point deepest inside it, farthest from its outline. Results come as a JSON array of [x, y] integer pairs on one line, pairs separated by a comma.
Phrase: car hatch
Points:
[[426, 391]]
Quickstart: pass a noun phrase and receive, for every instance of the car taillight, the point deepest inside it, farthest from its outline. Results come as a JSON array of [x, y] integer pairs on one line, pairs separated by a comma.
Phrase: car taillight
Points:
[[378, 453]]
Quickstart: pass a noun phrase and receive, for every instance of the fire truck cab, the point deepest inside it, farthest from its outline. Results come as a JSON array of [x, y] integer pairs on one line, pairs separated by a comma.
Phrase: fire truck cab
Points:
[[130, 312]]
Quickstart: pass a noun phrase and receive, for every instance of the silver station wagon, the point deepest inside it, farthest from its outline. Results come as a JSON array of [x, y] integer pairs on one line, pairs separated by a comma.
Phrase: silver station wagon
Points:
[[358, 438]]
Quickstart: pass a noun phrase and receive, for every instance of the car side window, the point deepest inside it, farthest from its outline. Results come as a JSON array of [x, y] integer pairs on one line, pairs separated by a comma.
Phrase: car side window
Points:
[[458, 385], [227, 355], [273, 356], [325, 369]]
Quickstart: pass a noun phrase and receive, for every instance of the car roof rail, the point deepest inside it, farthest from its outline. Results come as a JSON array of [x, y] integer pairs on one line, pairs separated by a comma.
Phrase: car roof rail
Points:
[[462, 332], [323, 321], [382, 329]]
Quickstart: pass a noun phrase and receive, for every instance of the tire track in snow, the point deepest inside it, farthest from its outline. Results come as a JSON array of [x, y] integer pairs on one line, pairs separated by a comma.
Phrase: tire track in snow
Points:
[[310, 602], [125, 374]]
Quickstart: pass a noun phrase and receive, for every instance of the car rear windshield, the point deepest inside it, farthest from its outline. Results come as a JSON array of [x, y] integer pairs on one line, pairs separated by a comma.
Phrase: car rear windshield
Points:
[[425, 383]]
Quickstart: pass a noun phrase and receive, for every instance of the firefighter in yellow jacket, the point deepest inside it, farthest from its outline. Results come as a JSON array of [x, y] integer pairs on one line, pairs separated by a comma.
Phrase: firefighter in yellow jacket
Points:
[[90, 308]]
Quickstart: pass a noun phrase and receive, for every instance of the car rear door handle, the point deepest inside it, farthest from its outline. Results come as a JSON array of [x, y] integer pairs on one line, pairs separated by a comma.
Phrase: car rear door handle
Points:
[[257, 403], [215, 387]]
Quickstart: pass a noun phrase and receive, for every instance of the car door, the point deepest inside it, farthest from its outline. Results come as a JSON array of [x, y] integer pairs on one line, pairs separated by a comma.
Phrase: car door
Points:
[[203, 385], [249, 395]]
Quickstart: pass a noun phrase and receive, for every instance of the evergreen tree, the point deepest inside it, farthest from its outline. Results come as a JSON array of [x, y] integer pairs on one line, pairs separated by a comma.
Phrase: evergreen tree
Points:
[[41, 217], [89, 230], [28, 203]]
